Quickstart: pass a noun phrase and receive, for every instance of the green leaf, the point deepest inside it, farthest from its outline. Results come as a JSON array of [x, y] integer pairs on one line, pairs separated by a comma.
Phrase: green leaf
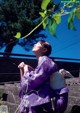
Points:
[[52, 27], [45, 4], [71, 20], [78, 12], [57, 18], [18, 35], [45, 22], [42, 14], [71, 25], [71, 17]]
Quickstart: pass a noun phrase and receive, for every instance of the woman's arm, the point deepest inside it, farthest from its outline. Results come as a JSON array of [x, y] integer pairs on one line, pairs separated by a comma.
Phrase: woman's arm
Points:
[[39, 75], [24, 69]]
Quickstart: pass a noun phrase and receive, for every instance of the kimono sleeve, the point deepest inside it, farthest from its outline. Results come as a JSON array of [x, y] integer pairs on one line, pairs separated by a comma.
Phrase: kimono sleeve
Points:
[[39, 75]]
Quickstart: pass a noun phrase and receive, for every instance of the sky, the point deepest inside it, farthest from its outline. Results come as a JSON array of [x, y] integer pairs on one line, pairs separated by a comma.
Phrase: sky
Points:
[[65, 45]]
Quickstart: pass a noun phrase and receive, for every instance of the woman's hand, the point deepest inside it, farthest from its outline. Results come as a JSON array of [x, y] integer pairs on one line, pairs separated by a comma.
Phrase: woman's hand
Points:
[[24, 68], [21, 65]]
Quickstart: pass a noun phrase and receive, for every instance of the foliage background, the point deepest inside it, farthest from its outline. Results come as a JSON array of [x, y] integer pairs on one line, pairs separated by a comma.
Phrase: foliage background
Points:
[[22, 17]]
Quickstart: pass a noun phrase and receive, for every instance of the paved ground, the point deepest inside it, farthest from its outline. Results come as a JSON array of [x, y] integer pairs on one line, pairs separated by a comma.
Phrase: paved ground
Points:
[[9, 95]]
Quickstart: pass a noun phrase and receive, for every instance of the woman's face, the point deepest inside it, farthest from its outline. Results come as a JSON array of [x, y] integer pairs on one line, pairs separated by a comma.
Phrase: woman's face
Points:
[[38, 48]]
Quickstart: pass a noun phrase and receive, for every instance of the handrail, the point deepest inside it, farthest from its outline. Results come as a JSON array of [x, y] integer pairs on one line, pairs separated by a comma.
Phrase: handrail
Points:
[[24, 55]]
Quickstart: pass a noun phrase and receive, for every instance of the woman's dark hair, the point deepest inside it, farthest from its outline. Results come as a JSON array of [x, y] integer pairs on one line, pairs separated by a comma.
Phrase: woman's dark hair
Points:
[[47, 46]]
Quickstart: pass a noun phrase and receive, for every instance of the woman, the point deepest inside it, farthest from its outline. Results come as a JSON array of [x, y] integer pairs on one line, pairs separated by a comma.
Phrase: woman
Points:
[[35, 87]]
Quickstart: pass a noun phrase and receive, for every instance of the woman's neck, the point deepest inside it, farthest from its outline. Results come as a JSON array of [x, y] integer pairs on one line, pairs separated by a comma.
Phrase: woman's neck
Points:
[[38, 56]]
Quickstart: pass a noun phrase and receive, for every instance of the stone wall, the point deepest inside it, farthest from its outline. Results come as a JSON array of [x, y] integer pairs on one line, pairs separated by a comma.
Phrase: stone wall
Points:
[[11, 90], [74, 93]]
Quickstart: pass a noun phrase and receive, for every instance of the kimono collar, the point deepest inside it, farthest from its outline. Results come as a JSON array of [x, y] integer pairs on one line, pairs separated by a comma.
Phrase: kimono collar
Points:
[[41, 58]]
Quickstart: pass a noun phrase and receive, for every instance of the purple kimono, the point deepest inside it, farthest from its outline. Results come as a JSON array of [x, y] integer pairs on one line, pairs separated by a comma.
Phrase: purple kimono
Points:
[[35, 88]]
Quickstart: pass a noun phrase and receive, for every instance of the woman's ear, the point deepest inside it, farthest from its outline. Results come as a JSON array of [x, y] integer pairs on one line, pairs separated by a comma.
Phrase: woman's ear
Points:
[[44, 50]]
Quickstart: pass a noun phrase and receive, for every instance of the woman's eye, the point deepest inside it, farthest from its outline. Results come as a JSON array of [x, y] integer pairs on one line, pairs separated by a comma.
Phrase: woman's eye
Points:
[[38, 44]]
